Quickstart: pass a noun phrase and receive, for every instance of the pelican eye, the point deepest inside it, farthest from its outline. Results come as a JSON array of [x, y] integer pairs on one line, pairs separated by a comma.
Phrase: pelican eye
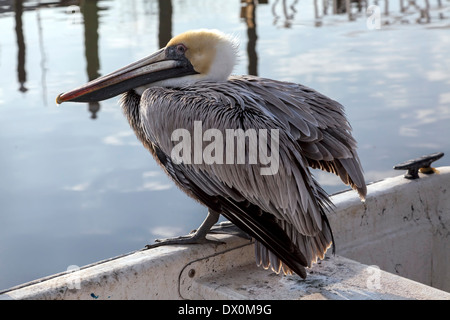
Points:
[[181, 48]]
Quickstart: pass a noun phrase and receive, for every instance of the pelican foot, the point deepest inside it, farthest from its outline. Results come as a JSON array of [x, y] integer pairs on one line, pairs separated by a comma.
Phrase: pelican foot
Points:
[[195, 237], [192, 238]]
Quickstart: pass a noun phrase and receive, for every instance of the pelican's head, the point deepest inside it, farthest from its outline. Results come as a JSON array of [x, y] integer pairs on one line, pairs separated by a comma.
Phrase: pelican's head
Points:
[[190, 57], [211, 53]]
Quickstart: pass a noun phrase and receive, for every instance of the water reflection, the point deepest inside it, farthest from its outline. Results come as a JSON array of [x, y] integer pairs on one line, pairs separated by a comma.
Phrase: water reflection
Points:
[[288, 10], [248, 14], [90, 20], [43, 57], [17, 6], [89, 9], [165, 22], [21, 72]]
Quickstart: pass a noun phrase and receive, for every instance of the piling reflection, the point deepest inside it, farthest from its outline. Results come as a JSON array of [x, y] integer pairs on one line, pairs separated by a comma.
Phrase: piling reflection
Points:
[[43, 57], [248, 14], [89, 9], [288, 10], [21, 48], [17, 6], [165, 22]]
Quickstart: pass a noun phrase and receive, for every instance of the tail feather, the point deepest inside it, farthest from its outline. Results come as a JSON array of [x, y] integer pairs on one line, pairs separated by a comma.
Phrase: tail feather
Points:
[[268, 260], [313, 248]]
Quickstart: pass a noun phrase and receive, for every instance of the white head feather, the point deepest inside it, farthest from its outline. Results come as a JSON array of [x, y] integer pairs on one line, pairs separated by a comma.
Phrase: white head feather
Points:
[[212, 53]]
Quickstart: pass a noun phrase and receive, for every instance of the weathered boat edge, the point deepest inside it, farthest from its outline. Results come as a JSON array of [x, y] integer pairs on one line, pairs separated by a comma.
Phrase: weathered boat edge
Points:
[[227, 271]]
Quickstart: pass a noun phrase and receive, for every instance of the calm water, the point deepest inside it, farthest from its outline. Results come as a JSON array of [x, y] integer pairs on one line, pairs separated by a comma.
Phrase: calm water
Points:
[[77, 187]]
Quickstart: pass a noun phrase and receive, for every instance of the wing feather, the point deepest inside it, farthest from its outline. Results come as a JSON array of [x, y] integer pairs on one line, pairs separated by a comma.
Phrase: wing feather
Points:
[[329, 143]]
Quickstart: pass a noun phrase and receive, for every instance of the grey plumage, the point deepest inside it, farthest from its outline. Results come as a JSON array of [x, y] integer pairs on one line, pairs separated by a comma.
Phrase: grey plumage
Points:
[[285, 212]]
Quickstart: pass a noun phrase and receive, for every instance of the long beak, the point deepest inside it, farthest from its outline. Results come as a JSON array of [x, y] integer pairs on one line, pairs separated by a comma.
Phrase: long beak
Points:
[[155, 67]]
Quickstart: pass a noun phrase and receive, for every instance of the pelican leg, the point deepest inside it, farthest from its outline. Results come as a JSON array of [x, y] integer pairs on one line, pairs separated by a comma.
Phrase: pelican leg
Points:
[[196, 237]]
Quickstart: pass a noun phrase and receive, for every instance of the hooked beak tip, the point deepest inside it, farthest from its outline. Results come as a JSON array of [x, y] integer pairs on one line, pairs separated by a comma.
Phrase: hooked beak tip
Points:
[[58, 99]]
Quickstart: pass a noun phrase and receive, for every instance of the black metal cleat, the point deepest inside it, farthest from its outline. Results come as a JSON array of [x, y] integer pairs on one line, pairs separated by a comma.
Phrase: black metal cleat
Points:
[[423, 164]]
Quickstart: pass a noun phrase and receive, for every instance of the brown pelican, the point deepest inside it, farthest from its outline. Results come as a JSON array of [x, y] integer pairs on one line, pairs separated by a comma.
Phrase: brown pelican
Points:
[[189, 81]]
